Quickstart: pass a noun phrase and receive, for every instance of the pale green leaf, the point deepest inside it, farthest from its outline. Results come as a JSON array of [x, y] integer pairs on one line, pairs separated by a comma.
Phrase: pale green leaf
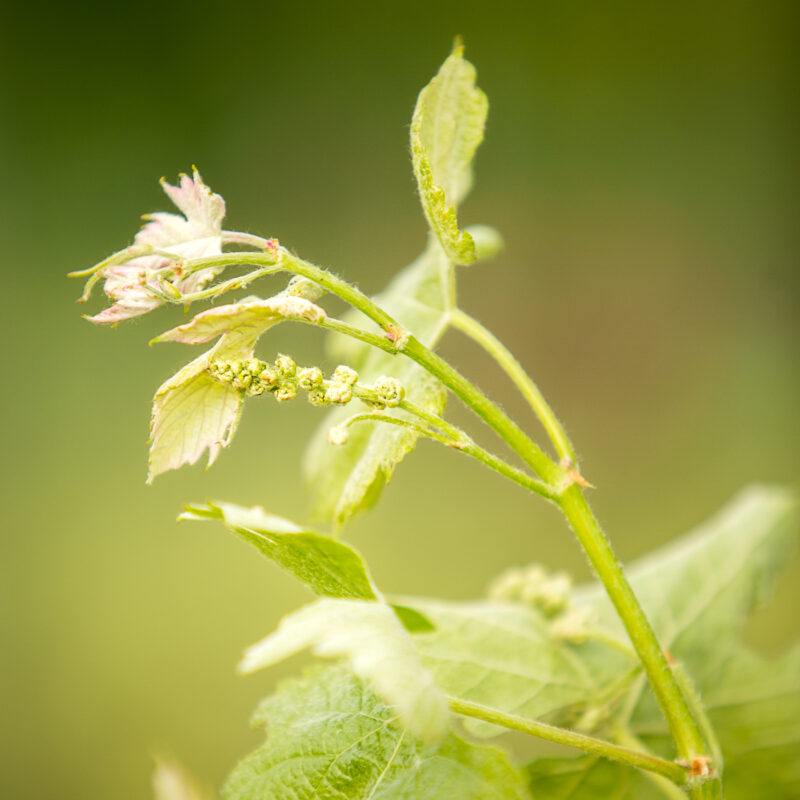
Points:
[[326, 565], [330, 738], [377, 647], [346, 479], [754, 705], [192, 411], [446, 129], [503, 655]]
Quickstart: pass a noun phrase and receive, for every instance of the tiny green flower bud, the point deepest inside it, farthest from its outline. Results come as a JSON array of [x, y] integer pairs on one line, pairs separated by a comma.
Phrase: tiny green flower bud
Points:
[[574, 625], [257, 387], [242, 380], [339, 393], [285, 366], [254, 366], [389, 390], [338, 435], [268, 376], [317, 398], [507, 586], [309, 378], [286, 391], [344, 374]]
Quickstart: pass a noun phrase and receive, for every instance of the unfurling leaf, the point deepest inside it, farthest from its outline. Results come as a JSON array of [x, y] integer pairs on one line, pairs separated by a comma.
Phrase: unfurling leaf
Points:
[[446, 129], [345, 480], [326, 565], [378, 648], [193, 411], [196, 234], [329, 737]]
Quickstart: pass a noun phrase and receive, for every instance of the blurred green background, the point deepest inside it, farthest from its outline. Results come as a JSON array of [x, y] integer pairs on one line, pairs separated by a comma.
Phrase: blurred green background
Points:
[[641, 161]]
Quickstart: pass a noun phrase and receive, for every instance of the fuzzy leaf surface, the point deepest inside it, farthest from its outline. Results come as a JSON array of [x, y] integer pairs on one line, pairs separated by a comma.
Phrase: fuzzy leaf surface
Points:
[[326, 565], [330, 737], [446, 130], [377, 647], [344, 480]]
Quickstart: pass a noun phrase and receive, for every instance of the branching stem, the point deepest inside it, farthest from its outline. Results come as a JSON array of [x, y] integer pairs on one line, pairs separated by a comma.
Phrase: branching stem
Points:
[[529, 390], [589, 744]]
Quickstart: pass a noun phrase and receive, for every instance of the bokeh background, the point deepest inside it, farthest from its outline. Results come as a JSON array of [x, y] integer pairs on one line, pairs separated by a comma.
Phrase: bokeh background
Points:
[[641, 161]]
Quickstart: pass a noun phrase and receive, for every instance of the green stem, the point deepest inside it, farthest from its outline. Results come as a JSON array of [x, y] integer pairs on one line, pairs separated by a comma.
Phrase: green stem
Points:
[[472, 397], [529, 390], [456, 438], [684, 729], [589, 744]]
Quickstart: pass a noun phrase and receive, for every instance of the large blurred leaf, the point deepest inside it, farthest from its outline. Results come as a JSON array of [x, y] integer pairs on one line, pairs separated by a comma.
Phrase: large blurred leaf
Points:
[[446, 129], [698, 591], [329, 738], [754, 706], [587, 778], [503, 655], [378, 649], [346, 479], [327, 566]]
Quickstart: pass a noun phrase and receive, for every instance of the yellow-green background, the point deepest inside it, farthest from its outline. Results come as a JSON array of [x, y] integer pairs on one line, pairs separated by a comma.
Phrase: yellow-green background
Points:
[[640, 160]]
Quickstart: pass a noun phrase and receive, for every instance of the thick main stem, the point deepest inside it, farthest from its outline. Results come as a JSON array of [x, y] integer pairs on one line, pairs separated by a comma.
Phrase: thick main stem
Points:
[[685, 731]]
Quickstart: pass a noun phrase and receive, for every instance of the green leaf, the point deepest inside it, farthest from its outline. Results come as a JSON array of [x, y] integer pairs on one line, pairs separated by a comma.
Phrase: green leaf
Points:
[[587, 778], [446, 129], [192, 412], [697, 592], [330, 738], [754, 705], [378, 648], [324, 564], [344, 480], [503, 655]]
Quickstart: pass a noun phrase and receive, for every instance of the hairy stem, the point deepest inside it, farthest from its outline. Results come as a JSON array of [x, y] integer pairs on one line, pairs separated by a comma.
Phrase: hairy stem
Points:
[[455, 438], [408, 345], [529, 390], [685, 730], [588, 744]]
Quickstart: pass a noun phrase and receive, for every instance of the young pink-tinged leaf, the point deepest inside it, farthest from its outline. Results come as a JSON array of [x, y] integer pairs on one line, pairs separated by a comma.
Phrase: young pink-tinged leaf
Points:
[[196, 234], [250, 317]]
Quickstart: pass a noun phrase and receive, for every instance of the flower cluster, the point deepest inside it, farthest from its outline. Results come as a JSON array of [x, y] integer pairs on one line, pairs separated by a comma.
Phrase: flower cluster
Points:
[[533, 585]]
